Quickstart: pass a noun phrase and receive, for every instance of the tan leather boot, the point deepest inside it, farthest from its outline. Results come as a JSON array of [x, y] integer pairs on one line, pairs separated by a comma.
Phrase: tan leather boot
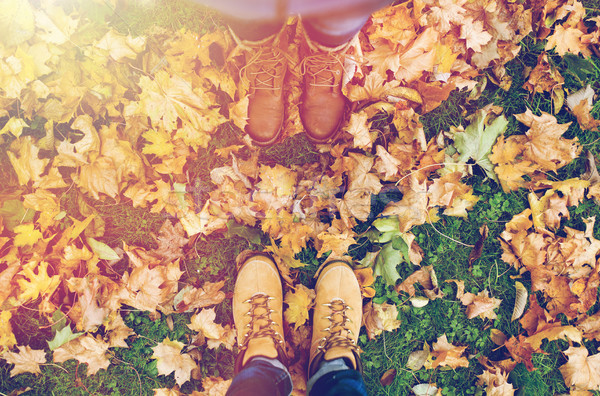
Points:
[[265, 71], [257, 311], [322, 105], [337, 317]]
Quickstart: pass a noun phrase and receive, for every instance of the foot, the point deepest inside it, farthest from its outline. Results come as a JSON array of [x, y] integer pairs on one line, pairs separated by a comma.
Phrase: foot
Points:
[[337, 317], [323, 104], [257, 310], [265, 70]]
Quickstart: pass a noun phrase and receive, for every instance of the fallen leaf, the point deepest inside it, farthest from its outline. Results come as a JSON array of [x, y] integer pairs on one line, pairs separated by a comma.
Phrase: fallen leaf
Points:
[[170, 359], [299, 302], [27, 360], [581, 372]]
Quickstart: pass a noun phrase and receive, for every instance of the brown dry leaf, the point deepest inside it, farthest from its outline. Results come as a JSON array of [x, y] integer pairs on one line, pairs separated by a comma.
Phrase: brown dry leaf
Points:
[[365, 280], [480, 305], [388, 377], [447, 354], [215, 386], [581, 372], [85, 349], [426, 278], [477, 249], [170, 359], [496, 383], [209, 294], [27, 360], [567, 40], [380, 317], [554, 333], [338, 244], [520, 350], [544, 77], [590, 326]]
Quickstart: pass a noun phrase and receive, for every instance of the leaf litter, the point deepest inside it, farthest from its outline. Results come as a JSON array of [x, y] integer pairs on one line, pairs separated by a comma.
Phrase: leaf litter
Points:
[[140, 109]]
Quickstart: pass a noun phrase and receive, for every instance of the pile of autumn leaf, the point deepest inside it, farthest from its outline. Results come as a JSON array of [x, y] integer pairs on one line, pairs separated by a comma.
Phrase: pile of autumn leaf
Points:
[[124, 116]]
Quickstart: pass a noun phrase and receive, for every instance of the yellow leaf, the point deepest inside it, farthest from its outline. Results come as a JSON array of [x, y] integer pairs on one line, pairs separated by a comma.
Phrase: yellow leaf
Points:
[[170, 359], [160, 143], [85, 349], [23, 155], [16, 22], [33, 284], [26, 235], [7, 338], [204, 322], [15, 126], [298, 303]]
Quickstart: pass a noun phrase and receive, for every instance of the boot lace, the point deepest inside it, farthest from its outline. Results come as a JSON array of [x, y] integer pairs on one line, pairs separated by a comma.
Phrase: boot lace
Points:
[[338, 323], [261, 324], [264, 68], [321, 69]]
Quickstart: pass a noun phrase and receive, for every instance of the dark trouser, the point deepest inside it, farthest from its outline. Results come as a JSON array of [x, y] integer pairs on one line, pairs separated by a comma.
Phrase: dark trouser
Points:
[[328, 22], [268, 377]]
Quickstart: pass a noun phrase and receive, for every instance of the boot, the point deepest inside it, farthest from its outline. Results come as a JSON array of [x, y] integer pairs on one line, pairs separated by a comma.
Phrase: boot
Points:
[[257, 311], [323, 104], [337, 317], [265, 71]]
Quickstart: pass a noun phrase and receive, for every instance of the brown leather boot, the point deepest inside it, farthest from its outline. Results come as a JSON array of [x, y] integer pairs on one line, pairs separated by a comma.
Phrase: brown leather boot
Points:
[[257, 311], [337, 317], [323, 104], [265, 70]]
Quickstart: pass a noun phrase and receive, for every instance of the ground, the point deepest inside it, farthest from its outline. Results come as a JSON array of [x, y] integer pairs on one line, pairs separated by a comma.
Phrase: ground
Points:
[[446, 245]]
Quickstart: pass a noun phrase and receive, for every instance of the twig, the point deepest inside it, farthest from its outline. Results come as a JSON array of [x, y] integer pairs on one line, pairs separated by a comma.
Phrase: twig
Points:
[[56, 365], [446, 236], [431, 166], [130, 366]]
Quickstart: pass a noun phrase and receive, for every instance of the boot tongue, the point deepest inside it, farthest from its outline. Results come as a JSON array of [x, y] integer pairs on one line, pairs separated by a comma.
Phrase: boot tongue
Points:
[[341, 352], [262, 346]]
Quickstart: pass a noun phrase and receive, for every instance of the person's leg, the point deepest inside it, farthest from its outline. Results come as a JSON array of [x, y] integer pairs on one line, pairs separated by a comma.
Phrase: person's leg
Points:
[[334, 365], [258, 317], [252, 30], [328, 36], [261, 376], [333, 29], [335, 377]]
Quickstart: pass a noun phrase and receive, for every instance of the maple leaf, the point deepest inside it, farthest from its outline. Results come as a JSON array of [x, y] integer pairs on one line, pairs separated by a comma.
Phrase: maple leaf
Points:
[[581, 372], [337, 244], [365, 280], [447, 354], [34, 284], [299, 302], [170, 359], [85, 349], [27, 360], [358, 127], [478, 138], [496, 383], [215, 386], [480, 305], [412, 209], [567, 40], [117, 331], [23, 156], [27, 235], [520, 350], [160, 143], [191, 298], [472, 31], [380, 317], [204, 323]]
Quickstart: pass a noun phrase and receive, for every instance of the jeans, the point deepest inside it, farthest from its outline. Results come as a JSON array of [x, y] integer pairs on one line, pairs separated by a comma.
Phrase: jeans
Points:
[[328, 22], [268, 377]]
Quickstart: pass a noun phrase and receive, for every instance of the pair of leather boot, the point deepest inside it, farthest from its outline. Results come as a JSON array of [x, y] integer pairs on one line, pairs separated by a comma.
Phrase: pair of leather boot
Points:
[[322, 103], [258, 316]]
